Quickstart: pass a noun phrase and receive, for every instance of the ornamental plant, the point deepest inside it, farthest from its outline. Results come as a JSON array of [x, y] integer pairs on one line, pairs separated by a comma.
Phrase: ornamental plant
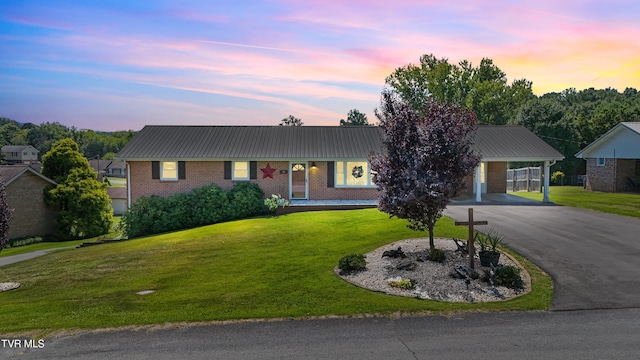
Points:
[[406, 284], [352, 262], [427, 152], [276, 201], [508, 276], [557, 177]]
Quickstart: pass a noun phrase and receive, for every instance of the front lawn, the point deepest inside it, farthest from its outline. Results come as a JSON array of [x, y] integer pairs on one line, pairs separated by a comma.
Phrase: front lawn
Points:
[[575, 196], [273, 267], [60, 244]]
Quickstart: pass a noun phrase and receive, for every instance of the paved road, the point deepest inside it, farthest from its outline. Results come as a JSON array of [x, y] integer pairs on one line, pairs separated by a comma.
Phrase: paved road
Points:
[[599, 334], [593, 257]]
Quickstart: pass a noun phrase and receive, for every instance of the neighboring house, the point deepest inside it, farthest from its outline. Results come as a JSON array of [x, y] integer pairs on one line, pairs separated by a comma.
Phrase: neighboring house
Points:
[[298, 162], [99, 166], [118, 198], [108, 168], [20, 154], [613, 160], [25, 194], [116, 169]]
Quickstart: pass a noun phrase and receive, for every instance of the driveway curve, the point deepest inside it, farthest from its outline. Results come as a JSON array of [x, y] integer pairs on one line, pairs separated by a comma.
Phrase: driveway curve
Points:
[[593, 257]]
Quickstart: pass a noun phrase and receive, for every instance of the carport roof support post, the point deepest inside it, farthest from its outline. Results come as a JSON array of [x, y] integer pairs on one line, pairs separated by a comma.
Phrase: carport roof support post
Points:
[[545, 197]]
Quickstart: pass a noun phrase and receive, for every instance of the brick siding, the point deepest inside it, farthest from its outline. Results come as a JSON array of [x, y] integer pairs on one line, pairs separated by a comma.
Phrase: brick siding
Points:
[[200, 173], [318, 189], [31, 216], [497, 177], [613, 176]]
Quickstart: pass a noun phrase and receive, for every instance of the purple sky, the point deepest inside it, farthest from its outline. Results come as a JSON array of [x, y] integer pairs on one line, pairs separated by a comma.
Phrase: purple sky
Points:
[[118, 65]]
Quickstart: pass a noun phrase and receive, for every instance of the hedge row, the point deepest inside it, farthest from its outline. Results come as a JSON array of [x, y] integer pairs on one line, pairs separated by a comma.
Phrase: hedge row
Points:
[[202, 206]]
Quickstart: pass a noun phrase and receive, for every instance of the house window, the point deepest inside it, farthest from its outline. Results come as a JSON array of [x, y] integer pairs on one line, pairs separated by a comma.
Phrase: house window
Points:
[[353, 174], [240, 170], [638, 167], [169, 170], [601, 161]]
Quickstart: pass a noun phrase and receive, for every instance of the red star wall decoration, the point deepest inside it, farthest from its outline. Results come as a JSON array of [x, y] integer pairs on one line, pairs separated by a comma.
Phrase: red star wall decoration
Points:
[[267, 172]]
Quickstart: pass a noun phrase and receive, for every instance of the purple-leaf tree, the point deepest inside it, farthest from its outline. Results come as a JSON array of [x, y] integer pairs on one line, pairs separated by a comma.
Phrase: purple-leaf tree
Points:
[[427, 153], [6, 214]]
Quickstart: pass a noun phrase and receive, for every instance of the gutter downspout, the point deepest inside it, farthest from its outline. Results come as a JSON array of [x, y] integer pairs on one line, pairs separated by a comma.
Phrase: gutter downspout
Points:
[[128, 185]]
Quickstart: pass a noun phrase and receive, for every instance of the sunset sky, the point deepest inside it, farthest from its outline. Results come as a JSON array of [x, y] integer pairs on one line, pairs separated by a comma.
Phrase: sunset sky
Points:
[[118, 65]]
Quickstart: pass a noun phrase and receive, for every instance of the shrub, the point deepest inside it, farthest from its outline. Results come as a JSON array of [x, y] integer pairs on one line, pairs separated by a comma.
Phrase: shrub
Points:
[[209, 205], [557, 178], [202, 206], [406, 284], [246, 199], [352, 262], [276, 201], [436, 255], [25, 241], [508, 276]]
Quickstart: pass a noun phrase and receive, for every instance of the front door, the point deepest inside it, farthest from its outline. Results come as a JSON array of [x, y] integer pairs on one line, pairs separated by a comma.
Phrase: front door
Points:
[[298, 180]]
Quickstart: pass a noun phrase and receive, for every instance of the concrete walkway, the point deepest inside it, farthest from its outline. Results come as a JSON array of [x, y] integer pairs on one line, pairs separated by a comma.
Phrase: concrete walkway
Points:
[[30, 255], [593, 257]]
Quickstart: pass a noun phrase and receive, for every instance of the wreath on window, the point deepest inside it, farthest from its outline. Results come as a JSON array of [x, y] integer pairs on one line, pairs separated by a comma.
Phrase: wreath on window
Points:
[[357, 172]]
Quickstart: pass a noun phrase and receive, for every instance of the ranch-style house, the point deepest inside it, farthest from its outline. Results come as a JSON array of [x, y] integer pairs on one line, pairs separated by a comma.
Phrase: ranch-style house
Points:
[[302, 163]]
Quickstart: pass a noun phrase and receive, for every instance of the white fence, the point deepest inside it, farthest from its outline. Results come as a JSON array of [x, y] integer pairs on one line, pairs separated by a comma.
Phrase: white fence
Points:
[[524, 179]]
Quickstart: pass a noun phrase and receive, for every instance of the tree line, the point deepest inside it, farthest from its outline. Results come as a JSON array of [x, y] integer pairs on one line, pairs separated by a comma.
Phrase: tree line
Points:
[[568, 120], [42, 137]]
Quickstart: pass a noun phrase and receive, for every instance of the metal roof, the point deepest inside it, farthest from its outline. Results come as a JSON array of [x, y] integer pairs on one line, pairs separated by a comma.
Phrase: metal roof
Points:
[[252, 142], [495, 143], [512, 143]]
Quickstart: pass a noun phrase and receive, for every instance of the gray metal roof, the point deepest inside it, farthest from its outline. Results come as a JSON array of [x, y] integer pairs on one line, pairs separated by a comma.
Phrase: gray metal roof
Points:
[[512, 143], [495, 143], [252, 142], [634, 126]]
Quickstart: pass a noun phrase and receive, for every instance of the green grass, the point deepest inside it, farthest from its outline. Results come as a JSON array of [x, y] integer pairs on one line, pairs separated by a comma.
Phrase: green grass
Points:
[[575, 196], [39, 246], [59, 244], [274, 267]]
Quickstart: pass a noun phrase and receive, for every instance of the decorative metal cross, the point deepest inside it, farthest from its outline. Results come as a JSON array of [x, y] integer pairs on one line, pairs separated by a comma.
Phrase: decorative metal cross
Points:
[[470, 223]]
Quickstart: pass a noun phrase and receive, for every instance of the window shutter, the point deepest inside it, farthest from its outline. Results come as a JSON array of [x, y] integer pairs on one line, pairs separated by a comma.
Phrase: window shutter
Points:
[[155, 169], [182, 174], [227, 170], [330, 174], [253, 170]]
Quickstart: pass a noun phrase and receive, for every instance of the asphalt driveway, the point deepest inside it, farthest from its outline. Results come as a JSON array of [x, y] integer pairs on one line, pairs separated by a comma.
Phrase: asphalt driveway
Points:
[[593, 257]]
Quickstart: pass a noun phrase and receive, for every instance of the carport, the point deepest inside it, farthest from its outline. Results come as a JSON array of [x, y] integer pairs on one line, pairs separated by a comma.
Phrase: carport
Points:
[[500, 144]]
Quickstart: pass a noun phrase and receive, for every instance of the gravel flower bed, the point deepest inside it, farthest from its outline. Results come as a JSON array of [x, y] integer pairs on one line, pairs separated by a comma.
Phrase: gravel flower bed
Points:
[[432, 280]]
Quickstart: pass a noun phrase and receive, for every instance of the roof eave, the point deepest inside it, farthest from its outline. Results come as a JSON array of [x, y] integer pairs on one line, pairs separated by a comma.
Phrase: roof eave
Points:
[[523, 159]]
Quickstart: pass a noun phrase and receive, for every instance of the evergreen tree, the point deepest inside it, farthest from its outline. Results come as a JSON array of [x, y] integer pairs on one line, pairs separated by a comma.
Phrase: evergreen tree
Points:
[[83, 203]]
